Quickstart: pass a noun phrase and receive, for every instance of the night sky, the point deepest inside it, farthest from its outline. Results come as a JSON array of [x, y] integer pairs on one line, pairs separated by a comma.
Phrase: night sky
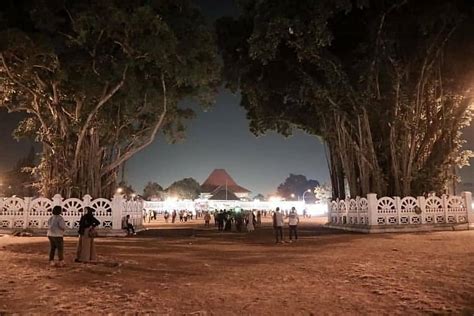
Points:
[[219, 138]]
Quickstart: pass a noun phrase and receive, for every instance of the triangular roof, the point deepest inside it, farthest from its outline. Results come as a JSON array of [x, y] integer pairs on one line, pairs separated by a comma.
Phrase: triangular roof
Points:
[[220, 195], [220, 178]]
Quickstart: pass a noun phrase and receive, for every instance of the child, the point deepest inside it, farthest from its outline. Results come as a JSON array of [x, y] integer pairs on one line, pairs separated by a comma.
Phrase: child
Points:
[[56, 228]]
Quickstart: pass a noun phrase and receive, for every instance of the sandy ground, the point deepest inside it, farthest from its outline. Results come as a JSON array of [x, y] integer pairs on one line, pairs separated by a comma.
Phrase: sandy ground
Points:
[[187, 270]]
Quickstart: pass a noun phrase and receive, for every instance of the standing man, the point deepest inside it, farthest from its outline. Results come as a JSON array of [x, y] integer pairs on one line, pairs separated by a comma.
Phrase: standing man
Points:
[[293, 221], [278, 225]]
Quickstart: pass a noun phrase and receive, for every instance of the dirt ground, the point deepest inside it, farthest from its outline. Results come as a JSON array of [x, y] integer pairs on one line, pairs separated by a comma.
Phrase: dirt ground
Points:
[[183, 269]]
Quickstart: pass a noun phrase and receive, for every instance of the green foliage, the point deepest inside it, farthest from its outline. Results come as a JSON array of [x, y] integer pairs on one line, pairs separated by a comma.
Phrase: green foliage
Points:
[[187, 188], [102, 77], [386, 84], [152, 191], [296, 185], [126, 189]]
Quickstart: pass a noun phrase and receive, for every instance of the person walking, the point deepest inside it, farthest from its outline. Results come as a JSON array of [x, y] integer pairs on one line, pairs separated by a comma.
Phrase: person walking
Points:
[[173, 216], [207, 219], [250, 222], [278, 225], [220, 221], [85, 247], [293, 221], [56, 228]]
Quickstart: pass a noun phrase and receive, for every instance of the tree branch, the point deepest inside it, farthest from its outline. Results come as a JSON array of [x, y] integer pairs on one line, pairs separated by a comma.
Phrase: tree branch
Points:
[[10, 75], [91, 115], [128, 154]]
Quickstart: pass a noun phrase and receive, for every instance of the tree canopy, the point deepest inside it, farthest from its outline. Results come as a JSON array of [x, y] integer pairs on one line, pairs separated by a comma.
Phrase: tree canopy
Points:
[[386, 84], [153, 190], [187, 188], [100, 80], [295, 186]]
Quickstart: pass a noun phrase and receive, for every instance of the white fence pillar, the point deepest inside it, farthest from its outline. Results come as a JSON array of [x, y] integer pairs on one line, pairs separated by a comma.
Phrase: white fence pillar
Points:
[[86, 201], [26, 213], [444, 198], [57, 200], [467, 196], [117, 211], [422, 206], [372, 208], [329, 204], [398, 208]]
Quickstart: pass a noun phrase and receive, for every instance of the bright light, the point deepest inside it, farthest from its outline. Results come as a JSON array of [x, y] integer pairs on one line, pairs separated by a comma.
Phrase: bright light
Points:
[[172, 199], [134, 195], [292, 195], [309, 191], [119, 190], [256, 200], [274, 199]]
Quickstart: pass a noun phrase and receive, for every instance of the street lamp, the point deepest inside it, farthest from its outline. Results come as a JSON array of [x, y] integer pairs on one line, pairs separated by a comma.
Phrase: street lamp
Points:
[[307, 191], [292, 195]]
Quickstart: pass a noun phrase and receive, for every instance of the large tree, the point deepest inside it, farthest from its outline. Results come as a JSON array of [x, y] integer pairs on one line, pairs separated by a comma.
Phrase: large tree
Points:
[[386, 84], [100, 80], [295, 186], [152, 190], [187, 188]]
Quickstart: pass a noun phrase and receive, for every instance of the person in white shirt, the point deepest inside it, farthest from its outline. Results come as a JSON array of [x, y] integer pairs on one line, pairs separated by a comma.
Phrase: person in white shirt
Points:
[[56, 228], [278, 225], [293, 221]]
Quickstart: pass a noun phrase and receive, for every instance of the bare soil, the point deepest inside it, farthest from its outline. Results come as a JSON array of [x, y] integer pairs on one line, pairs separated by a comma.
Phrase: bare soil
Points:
[[184, 269]]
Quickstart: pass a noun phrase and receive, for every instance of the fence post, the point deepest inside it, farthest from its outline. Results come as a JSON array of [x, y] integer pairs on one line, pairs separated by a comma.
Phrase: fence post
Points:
[[444, 199], [86, 201], [117, 211], [467, 196], [329, 211], [398, 209], [422, 206], [57, 200], [26, 213], [372, 208]]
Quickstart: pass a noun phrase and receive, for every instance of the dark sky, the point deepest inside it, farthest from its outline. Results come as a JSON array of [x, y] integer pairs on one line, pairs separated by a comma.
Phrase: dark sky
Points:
[[218, 138]]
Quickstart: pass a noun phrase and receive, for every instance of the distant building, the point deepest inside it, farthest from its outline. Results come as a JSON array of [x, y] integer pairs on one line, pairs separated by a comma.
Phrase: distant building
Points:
[[220, 186]]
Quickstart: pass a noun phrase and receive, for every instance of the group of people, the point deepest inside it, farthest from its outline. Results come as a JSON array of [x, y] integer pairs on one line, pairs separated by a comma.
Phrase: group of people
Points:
[[87, 232], [278, 223], [223, 219]]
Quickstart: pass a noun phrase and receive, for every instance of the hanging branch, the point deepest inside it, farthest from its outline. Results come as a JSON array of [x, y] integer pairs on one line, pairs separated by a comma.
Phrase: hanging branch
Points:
[[128, 154]]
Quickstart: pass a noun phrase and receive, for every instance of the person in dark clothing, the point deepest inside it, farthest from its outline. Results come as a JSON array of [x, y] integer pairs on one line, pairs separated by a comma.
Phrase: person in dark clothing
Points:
[[85, 247], [128, 226], [220, 221]]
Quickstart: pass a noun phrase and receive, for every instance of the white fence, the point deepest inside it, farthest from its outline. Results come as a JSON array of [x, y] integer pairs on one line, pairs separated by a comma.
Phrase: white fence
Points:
[[33, 213], [371, 213]]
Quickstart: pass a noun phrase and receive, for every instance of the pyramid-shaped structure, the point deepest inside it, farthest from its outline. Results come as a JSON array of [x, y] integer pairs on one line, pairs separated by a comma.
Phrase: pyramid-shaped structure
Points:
[[220, 179]]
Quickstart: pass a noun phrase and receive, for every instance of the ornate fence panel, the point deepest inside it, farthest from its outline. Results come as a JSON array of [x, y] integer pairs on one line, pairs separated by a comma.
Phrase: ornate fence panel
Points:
[[386, 212], [348, 212], [17, 213]]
